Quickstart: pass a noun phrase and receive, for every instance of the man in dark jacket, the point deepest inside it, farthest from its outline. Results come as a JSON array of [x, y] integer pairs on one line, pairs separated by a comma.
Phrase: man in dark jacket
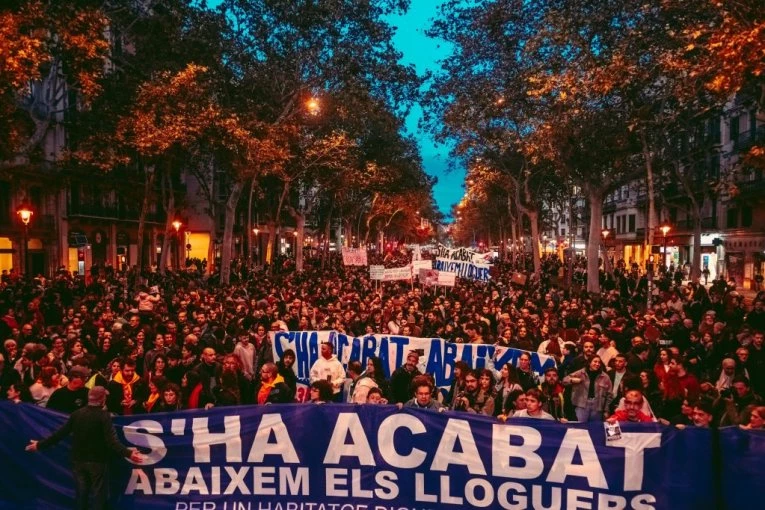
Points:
[[94, 441], [402, 378], [73, 396], [273, 389]]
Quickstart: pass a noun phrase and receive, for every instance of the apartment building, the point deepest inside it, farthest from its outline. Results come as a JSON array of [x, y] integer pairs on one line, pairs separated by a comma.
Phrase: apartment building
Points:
[[731, 201]]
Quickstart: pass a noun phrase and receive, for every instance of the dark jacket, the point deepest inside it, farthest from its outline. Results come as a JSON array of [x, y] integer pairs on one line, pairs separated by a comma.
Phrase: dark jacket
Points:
[[401, 384], [93, 436], [280, 394]]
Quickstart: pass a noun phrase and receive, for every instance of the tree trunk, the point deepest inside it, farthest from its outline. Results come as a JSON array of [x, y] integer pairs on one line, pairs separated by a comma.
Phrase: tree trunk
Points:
[[168, 199], [327, 231], [228, 231], [275, 227], [513, 230], [696, 260], [593, 245], [300, 229], [534, 221], [652, 219], [249, 221], [270, 244], [147, 189], [299, 218]]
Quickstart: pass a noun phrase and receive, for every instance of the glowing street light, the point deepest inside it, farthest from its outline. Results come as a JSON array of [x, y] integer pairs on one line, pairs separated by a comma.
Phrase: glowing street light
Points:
[[313, 106], [25, 213], [665, 228]]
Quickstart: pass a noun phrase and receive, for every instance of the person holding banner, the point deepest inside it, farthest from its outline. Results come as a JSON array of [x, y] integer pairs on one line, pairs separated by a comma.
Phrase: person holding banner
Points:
[[328, 368], [423, 397], [591, 391], [372, 377], [273, 389], [402, 377], [94, 441], [534, 408]]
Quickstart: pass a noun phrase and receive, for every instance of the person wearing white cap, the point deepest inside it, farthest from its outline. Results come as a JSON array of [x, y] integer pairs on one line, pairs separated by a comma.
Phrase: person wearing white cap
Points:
[[94, 441]]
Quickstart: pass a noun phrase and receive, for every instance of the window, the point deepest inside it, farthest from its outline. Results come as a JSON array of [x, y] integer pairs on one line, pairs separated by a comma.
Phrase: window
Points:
[[5, 203], [746, 216], [714, 130], [563, 232], [734, 129], [36, 198], [732, 218], [753, 121], [714, 166], [632, 223]]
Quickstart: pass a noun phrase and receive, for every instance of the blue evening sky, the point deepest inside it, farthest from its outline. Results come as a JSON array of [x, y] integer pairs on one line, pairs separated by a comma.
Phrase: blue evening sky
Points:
[[424, 52]]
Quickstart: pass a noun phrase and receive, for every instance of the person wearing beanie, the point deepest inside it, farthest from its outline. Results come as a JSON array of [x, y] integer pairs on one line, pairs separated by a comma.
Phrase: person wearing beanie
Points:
[[94, 442]]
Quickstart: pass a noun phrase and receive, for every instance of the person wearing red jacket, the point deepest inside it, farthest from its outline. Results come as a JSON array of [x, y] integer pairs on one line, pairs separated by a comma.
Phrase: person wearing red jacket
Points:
[[633, 402]]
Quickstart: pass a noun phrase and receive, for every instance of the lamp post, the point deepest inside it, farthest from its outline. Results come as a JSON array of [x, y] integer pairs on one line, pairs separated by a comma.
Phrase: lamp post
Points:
[[605, 233], [177, 226], [665, 228], [256, 231], [25, 214]]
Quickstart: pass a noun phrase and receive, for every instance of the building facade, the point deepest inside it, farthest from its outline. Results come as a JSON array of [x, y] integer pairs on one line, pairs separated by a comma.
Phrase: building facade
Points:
[[730, 195]]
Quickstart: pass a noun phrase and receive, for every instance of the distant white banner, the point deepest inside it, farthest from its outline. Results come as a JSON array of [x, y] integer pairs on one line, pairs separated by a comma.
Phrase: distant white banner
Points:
[[355, 256], [417, 265], [397, 273], [376, 272], [433, 277], [390, 274], [462, 255]]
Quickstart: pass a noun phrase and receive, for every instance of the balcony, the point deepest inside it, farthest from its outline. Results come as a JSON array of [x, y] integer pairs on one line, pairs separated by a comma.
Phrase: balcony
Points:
[[111, 212], [686, 224], [751, 190]]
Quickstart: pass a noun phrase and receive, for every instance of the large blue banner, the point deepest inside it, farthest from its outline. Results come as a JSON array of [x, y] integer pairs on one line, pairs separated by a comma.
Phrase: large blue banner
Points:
[[346, 457], [742, 464], [436, 355]]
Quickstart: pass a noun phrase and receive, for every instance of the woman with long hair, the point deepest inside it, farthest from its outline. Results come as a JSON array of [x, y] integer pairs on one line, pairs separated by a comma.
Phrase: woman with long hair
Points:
[[156, 385], [372, 377], [170, 399], [526, 375], [756, 419], [484, 401], [158, 367], [191, 389], [321, 392], [661, 368], [649, 385], [45, 385], [590, 391], [508, 382], [515, 402]]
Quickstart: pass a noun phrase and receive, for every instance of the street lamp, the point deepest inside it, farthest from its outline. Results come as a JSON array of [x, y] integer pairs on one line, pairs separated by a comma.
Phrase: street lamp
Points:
[[313, 106], [25, 214], [177, 226], [605, 233], [256, 231], [665, 228]]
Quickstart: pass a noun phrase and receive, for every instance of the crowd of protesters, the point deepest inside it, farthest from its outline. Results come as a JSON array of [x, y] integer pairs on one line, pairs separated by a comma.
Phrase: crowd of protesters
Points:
[[160, 343]]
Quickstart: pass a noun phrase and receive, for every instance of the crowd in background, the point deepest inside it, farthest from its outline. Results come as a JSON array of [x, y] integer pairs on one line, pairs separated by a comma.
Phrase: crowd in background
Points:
[[160, 343]]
